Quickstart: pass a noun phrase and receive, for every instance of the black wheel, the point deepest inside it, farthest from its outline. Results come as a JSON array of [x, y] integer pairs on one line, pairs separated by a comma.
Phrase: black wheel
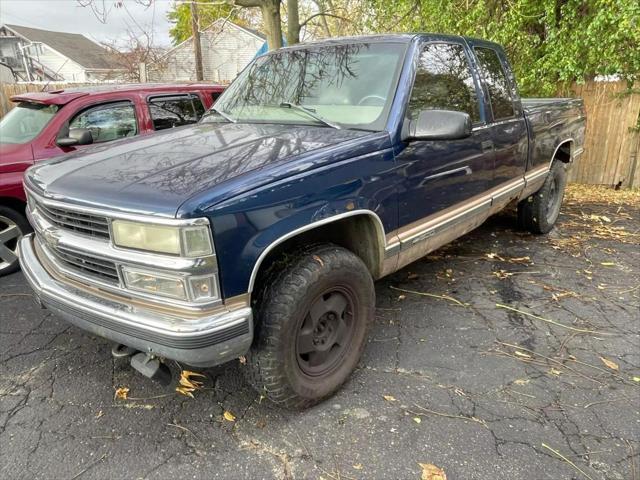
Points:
[[13, 225], [312, 319], [539, 212]]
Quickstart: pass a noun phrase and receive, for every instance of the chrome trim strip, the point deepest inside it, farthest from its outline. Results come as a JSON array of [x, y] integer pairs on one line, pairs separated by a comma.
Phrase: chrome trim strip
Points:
[[466, 169], [569, 140], [382, 242]]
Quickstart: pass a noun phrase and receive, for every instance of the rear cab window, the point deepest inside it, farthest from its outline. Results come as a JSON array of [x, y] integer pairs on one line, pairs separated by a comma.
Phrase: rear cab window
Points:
[[108, 122], [169, 111], [444, 81], [501, 92]]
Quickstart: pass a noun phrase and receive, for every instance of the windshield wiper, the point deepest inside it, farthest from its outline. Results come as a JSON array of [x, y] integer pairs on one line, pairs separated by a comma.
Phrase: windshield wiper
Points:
[[311, 112], [221, 113]]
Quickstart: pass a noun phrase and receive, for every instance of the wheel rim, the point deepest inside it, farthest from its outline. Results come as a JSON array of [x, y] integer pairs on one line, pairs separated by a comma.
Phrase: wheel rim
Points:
[[10, 234], [553, 200], [326, 331]]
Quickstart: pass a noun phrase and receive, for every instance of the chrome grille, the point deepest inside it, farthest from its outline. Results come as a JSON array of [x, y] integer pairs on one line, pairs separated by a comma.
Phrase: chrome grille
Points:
[[86, 224], [84, 264]]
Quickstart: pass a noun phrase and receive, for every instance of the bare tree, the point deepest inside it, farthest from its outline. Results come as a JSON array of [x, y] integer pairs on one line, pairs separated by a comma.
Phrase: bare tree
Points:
[[129, 53]]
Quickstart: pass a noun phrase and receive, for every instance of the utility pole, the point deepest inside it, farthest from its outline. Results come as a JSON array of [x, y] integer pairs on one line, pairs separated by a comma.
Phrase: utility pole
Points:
[[197, 50]]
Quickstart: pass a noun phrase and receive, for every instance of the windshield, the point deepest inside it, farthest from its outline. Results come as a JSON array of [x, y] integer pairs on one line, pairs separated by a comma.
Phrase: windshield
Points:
[[24, 122], [345, 86]]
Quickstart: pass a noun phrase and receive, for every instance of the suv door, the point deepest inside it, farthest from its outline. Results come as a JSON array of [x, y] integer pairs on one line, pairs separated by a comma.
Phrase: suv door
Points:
[[442, 173], [506, 122]]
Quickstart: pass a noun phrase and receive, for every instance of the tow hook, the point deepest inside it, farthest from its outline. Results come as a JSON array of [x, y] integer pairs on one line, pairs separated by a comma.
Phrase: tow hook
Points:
[[145, 363]]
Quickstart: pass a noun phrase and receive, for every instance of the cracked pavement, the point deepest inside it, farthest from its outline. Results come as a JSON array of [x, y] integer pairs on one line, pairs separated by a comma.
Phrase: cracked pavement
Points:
[[498, 376]]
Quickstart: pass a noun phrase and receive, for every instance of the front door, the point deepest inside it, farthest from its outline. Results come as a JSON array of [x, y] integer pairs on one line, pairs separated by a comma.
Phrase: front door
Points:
[[439, 174]]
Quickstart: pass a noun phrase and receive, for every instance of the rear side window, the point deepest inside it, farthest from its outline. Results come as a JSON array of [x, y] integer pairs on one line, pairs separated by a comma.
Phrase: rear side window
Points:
[[496, 80], [174, 111], [214, 96], [444, 81], [108, 122]]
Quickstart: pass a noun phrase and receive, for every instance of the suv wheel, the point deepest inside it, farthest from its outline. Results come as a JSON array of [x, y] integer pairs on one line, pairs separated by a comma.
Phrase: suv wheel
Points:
[[539, 212], [312, 321], [13, 226]]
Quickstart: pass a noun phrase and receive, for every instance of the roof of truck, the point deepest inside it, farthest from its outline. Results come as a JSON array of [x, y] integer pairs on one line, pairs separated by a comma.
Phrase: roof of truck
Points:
[[66, 95]]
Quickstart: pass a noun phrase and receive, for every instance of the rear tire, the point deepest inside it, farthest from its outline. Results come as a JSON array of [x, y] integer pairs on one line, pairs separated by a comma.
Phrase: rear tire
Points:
[[13, 225], [312, 319], [539, 212]]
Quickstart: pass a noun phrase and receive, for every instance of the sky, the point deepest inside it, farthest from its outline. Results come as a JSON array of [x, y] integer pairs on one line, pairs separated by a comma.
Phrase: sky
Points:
[[69, 16]]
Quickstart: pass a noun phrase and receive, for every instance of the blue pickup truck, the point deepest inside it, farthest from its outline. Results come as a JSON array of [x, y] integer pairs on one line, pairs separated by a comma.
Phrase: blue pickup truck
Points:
[[258, 232]]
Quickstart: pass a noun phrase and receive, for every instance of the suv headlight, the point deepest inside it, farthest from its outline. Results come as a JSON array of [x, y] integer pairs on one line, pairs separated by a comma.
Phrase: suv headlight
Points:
[[186, 241]]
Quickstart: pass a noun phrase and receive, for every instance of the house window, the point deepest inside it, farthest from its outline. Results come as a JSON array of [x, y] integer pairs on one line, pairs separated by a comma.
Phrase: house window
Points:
[[175, 110]]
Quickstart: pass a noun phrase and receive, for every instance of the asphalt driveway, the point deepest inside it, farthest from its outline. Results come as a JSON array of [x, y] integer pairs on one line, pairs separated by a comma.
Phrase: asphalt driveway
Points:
[[501, 356]]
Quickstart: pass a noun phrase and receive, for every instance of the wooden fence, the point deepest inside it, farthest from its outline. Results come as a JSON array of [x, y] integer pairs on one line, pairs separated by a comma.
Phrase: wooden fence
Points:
[[612, 148], [612, 143]]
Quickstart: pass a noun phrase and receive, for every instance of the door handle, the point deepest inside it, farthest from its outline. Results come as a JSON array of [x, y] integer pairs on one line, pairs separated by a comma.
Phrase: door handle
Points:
[[487, 145]]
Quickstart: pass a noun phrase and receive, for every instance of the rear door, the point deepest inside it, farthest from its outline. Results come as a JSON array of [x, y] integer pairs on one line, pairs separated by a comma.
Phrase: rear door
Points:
[[505, 117], [442, 173]]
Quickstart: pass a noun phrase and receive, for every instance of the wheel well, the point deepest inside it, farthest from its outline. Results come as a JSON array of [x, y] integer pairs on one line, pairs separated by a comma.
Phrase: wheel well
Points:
[[361, 234], [563, 152], [13, 203]]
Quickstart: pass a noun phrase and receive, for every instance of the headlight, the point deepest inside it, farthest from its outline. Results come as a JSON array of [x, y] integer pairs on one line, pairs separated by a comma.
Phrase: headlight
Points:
[[189, 241]]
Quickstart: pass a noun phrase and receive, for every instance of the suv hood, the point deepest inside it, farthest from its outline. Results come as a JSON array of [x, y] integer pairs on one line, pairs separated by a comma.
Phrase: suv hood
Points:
[[155, 174]]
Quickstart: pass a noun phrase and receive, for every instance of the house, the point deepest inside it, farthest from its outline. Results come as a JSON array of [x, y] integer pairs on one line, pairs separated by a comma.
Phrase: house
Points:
[[226, 49], [36, 54]]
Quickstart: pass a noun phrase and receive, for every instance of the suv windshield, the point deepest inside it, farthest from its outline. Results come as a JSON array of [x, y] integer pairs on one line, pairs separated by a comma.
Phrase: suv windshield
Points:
[[24, 122], [347, 86]]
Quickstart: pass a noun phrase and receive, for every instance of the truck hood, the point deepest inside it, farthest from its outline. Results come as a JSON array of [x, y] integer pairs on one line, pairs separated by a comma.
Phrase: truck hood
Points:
[[157, 173]]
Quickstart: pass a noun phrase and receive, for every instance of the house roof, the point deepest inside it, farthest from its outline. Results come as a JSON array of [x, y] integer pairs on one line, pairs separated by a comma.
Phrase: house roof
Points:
[[74, 46]]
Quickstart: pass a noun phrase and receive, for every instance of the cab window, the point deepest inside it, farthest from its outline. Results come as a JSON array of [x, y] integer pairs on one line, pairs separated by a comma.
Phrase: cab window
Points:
[[108, 122], [495, 78], [444, 81]]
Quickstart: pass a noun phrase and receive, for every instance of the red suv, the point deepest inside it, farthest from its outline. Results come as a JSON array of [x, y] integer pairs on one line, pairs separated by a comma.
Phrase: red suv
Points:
[[47, 124]]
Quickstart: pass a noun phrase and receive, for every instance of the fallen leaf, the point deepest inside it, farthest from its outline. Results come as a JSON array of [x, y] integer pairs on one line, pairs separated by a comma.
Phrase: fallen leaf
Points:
[[389, 398], [608, 264], [522, 354], [636, 379], [358, 466], [99, 414], [319, 260], [521, 381], [188, 384], [555, 372], [122, 393], [242, 359], [228, 416], [520, 260], [417, 419], [412, 276], [431, 472], [610, 364], [401, 297]]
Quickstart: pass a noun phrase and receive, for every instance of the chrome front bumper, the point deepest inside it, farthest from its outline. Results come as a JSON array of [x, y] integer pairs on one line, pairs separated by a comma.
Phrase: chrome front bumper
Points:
[[207, 340]]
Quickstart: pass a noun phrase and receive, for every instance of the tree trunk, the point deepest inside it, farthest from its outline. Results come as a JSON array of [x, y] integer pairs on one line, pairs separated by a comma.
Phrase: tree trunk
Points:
[[293, 22], [271, 18], [197, 50]]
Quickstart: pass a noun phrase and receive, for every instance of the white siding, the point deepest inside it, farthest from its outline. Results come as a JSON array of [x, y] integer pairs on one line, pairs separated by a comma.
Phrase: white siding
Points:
[[226, 50], [55, 62]]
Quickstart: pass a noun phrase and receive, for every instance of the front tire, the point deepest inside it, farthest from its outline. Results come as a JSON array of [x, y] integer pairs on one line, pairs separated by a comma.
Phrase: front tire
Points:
[[13, 225], [312, 321], [539, 212]]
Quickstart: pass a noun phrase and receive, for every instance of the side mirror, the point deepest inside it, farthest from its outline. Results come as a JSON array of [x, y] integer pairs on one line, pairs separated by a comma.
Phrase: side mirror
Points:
[[439, 125], [77, 136]]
